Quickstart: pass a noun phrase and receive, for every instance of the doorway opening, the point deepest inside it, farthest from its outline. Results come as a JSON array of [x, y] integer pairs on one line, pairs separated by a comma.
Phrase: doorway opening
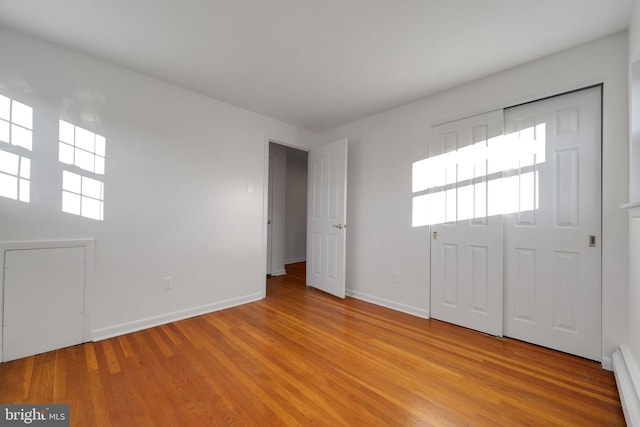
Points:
[[287, 208]]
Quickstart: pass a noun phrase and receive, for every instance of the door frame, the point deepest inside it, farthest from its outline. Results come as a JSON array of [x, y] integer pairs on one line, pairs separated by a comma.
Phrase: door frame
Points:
[[89, 278], [265, 202], [269, 197]]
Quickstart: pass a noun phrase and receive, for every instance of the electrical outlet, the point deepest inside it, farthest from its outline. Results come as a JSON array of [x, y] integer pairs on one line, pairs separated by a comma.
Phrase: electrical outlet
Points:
[[167, 284], [395, 277]]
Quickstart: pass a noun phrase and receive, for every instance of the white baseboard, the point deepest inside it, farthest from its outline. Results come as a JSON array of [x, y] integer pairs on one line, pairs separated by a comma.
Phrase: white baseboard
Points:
[[404, 308], [149, 322], [294, 260], [279, 272], [626, 373], [607, 363]]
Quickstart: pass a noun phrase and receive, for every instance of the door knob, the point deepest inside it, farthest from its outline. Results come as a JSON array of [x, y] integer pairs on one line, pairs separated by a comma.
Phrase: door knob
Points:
[[339, 226]]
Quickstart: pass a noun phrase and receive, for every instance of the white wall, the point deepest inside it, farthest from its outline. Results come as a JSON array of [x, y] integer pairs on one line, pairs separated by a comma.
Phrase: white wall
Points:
[[178, 168], [296, 206], [383, 147]]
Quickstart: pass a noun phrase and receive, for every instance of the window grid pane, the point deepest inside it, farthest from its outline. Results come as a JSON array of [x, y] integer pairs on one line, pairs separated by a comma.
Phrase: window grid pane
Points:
[[71, 182], [66, 132], [21, 137], [25, 168], [66, 153], [5, 131], [22, 115], [15, 172], [84, 160], [5, 108], [100, 165], [82, 195], [70, 203], [8, 186], [90, 148], [25, 190], [9, 162], [16, 123]]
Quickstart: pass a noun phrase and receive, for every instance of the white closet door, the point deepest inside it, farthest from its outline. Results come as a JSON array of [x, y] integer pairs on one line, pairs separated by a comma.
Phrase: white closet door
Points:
[[466, 240], [553, 240], [43, 300]]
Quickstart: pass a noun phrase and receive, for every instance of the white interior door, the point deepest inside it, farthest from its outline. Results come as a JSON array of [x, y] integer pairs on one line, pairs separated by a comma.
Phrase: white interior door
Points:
[[43, 300], [326, 218], [466, 239], [552, 265]]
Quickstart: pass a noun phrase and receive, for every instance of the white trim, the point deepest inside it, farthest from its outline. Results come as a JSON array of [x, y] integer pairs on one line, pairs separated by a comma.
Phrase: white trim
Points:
[[89, 278], [265, 215], [294, 260], [281, 272], [404, 308], [626, 374], [150, 322], [607, 363], [45, 244]]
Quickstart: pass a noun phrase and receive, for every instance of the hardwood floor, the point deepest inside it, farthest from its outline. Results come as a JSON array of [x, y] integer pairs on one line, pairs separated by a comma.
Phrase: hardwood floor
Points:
[[301, 357]]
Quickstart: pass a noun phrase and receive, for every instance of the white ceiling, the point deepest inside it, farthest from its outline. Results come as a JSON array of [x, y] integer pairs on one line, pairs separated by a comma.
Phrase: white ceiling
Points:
[[317, 63]]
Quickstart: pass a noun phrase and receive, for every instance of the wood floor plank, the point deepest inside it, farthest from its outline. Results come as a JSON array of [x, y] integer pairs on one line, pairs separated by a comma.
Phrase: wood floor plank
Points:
[[25, 384], [97, 392], [112, 360], [125, 345], [166, 329], [302, 357], [60, 378]]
